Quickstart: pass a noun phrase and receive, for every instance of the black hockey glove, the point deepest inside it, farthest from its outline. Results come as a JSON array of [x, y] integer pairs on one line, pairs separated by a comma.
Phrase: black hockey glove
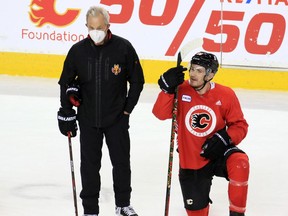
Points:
[[67, 122], [73, 93], [216, 146], [171, 79]]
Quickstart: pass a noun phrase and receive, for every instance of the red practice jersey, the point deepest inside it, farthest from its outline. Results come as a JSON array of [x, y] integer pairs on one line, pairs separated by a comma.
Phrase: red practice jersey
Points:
[[199, 117]]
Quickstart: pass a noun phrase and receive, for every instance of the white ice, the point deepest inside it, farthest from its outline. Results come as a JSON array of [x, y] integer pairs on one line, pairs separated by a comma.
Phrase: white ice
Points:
[[35, 176]]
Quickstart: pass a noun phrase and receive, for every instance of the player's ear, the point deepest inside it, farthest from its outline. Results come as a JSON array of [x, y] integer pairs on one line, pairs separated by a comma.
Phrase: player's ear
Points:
[[210, 76]]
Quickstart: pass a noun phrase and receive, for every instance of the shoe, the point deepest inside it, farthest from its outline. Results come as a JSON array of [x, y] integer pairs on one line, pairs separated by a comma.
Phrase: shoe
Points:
[[125, 211], [90, 215], [236, 214]]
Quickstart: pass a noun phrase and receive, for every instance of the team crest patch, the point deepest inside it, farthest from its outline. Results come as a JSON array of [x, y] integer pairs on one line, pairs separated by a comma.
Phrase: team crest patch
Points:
[[200, 120], [116, 69]]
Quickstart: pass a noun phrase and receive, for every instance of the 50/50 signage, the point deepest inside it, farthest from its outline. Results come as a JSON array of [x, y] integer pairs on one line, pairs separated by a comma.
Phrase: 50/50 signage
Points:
[[257, 26]]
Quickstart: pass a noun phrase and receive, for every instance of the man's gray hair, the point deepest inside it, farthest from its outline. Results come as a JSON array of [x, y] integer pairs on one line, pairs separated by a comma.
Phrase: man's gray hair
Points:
[[97, 10]]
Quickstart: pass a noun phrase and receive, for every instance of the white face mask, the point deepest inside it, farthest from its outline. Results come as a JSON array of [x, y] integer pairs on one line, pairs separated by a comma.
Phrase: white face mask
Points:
[[97, 35]]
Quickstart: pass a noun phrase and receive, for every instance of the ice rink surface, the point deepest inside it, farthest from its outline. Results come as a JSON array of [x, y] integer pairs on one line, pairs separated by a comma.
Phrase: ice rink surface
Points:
[[35, 176]]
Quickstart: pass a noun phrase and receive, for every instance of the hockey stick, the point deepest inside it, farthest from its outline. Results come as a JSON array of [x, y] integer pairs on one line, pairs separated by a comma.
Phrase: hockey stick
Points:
[[221, 33], [186, 49], [72, 173]]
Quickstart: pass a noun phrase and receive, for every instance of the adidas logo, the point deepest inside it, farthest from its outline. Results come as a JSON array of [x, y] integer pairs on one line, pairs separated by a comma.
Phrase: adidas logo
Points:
[[218, 103]]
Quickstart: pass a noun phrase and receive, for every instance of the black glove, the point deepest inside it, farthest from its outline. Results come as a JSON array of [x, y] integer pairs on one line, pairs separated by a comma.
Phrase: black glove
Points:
[[216, 146], [73, 93], [171, 79], [67, 122]]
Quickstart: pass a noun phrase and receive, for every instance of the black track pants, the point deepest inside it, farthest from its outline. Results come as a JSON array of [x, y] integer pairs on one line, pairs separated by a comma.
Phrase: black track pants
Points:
[[118, 142]]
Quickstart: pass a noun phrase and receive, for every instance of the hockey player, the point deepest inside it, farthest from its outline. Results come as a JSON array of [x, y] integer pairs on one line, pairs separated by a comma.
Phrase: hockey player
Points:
[[210, 125], [103, 64]]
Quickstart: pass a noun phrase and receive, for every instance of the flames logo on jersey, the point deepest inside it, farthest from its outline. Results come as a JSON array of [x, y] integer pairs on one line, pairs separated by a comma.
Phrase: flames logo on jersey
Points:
[[116, 69], [43, 12], [200, 120]]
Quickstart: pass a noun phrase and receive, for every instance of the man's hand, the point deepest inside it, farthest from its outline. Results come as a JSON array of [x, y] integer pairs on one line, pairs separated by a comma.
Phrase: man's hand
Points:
[[216, 146], [67, 122], [73, 93], [171, 79]]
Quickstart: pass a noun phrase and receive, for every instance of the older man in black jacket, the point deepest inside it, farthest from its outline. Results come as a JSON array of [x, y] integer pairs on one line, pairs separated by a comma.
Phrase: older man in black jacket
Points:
[[94, 78]]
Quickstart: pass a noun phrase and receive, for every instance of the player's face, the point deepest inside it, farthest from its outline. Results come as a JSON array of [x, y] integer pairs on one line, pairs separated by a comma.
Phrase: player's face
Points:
[[197, 74]]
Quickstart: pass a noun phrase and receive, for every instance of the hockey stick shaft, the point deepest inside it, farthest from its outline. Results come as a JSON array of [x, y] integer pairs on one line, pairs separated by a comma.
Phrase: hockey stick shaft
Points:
[[221, 33], [171, 151], [181, 55], [172, 140], [72, 174]]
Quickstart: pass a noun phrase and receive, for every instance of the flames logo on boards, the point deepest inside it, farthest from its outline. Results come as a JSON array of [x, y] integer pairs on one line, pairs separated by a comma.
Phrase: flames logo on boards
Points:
[[43, 12], [116, 69], [200, 120]]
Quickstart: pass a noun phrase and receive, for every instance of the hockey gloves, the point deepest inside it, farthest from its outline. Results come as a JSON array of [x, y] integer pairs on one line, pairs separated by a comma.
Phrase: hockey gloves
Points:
[[216, 146], [67, 122], [171, 79], [73, 93]]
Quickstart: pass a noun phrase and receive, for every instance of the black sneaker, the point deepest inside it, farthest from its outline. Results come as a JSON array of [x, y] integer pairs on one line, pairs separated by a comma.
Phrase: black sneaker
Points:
[[125, 211]]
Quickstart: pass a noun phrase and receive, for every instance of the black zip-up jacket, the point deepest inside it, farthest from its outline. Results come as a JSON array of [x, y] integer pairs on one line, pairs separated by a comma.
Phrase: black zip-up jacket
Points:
[[104, 73]]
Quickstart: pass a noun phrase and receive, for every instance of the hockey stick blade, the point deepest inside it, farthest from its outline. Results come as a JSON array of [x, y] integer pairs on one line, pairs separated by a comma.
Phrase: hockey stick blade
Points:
[[187, 48]]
